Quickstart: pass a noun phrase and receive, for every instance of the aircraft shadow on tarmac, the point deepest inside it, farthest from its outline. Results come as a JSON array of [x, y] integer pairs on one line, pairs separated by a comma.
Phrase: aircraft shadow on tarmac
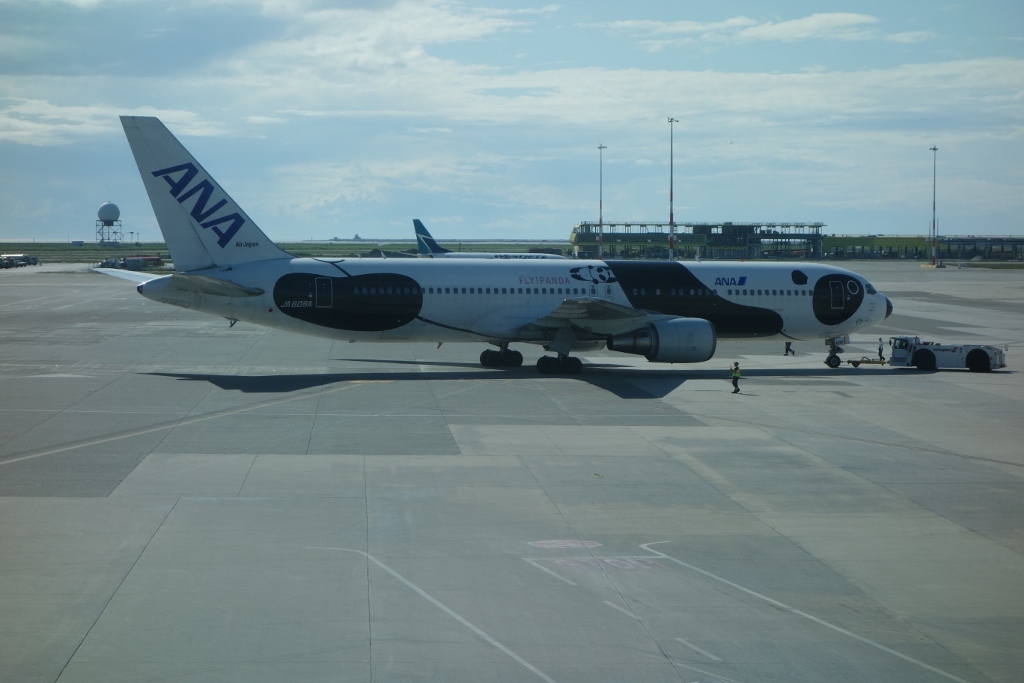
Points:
[[625, 382]]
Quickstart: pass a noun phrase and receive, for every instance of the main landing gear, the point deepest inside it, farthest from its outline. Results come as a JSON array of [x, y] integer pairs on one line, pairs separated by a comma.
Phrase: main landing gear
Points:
[[563, 363], [833, 360], [502, 358], [559, 365]]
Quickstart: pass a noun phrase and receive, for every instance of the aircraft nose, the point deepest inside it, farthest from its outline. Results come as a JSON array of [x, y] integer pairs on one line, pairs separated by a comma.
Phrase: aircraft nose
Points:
[[888, 307]]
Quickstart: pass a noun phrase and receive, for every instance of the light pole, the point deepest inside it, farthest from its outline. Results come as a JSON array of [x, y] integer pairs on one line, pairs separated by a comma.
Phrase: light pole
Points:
[[935, 231], [671, 186], [600, 201]]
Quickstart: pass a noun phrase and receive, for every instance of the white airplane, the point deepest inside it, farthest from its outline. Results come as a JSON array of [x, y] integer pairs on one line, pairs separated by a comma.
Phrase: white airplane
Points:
[[430, 248], [668, 312]]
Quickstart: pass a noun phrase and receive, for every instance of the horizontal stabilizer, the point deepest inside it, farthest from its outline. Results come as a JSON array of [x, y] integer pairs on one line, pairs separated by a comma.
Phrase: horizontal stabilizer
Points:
[[133, 275], [210, 285]]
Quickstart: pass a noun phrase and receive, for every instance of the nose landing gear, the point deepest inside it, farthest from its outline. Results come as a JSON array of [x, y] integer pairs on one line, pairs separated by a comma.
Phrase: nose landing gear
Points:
[[833, 360]]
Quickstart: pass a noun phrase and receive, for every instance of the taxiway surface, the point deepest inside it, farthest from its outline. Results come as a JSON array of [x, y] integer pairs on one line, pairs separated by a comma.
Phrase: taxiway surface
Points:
[[181, 500]]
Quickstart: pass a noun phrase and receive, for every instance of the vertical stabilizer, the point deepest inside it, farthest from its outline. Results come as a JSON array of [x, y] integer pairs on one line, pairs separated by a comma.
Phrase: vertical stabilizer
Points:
[[202, 225], [426, 243]]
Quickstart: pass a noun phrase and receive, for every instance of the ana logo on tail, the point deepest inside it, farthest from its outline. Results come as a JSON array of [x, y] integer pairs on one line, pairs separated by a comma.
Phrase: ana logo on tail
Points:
[[204, 190]]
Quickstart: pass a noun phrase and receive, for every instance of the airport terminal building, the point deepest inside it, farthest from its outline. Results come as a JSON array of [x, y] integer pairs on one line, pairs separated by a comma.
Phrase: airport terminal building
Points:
[[754, 240]]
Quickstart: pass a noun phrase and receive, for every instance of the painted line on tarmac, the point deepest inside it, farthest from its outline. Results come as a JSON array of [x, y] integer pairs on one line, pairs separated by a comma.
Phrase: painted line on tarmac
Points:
[[447, 610], [708, 673], [545, 569], [621, 609], [646, 546], [697, 649], [184, 423]]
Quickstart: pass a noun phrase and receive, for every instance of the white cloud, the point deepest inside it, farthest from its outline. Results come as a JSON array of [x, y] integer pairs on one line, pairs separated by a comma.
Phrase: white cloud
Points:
[[84, 4], [264, 120], [42, 123], [909, 37], [827, 26], [657, 35], [678, 27], [371, 86], [307, 186], [14, 46]]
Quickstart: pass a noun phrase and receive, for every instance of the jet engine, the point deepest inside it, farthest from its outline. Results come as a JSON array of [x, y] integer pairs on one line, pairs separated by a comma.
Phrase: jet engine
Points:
[[678, 340]]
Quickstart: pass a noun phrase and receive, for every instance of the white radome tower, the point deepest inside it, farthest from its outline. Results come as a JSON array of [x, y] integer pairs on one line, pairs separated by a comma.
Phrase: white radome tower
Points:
[[108, 225]]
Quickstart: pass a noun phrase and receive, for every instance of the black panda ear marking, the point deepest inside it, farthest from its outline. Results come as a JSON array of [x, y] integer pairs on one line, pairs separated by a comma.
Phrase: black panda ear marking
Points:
[[799, 277]]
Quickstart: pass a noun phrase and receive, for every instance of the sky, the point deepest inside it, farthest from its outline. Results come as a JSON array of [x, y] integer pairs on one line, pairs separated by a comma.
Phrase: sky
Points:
[[330, 119]]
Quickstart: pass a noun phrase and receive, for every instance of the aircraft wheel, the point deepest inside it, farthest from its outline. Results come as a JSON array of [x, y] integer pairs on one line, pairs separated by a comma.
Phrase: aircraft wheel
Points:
[[833, 361], [548, 365], [490, 359], [512, 359], [923, 360], [573, 365]]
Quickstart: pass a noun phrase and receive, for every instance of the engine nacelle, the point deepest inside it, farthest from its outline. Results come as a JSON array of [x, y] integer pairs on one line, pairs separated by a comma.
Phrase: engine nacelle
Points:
[[679, 340]]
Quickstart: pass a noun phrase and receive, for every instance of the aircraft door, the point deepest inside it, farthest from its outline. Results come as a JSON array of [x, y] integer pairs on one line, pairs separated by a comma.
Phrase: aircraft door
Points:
[[609, 294], [324, 292], [837, 295]]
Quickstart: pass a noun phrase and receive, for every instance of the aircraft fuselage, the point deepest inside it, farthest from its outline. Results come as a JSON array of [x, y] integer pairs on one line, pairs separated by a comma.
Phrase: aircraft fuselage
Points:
[[467, 300]]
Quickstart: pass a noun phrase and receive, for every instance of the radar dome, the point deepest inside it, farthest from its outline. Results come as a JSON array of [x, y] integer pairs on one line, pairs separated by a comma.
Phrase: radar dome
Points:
[[108, 213]]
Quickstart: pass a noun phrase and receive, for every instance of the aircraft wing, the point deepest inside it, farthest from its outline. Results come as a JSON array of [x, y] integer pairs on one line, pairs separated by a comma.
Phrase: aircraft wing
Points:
[[595, 316]]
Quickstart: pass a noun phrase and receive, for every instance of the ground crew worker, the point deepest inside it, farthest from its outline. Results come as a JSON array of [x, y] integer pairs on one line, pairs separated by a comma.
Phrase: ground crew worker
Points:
[[735, 378], [789, 349], [881, 349]]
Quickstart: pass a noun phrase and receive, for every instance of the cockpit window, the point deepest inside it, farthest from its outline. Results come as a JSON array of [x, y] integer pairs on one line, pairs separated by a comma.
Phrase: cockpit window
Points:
[[871, 290]]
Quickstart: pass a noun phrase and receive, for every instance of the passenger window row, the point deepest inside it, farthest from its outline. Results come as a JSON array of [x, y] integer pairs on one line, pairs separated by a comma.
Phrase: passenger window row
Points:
[[641, 291], [399, 291], [768, 292]]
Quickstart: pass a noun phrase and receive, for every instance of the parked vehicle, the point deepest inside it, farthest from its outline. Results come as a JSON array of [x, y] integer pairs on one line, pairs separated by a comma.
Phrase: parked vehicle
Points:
[[908, 352]]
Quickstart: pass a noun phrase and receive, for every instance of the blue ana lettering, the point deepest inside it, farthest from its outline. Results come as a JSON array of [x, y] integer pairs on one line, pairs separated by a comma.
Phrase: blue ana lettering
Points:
[[202, 191], [205, 189], [739, 281]]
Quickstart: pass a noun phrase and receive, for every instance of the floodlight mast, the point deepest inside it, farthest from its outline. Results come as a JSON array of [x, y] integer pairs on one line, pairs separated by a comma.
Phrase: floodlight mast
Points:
[[935, 229], [671, 186], [600, 201]]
